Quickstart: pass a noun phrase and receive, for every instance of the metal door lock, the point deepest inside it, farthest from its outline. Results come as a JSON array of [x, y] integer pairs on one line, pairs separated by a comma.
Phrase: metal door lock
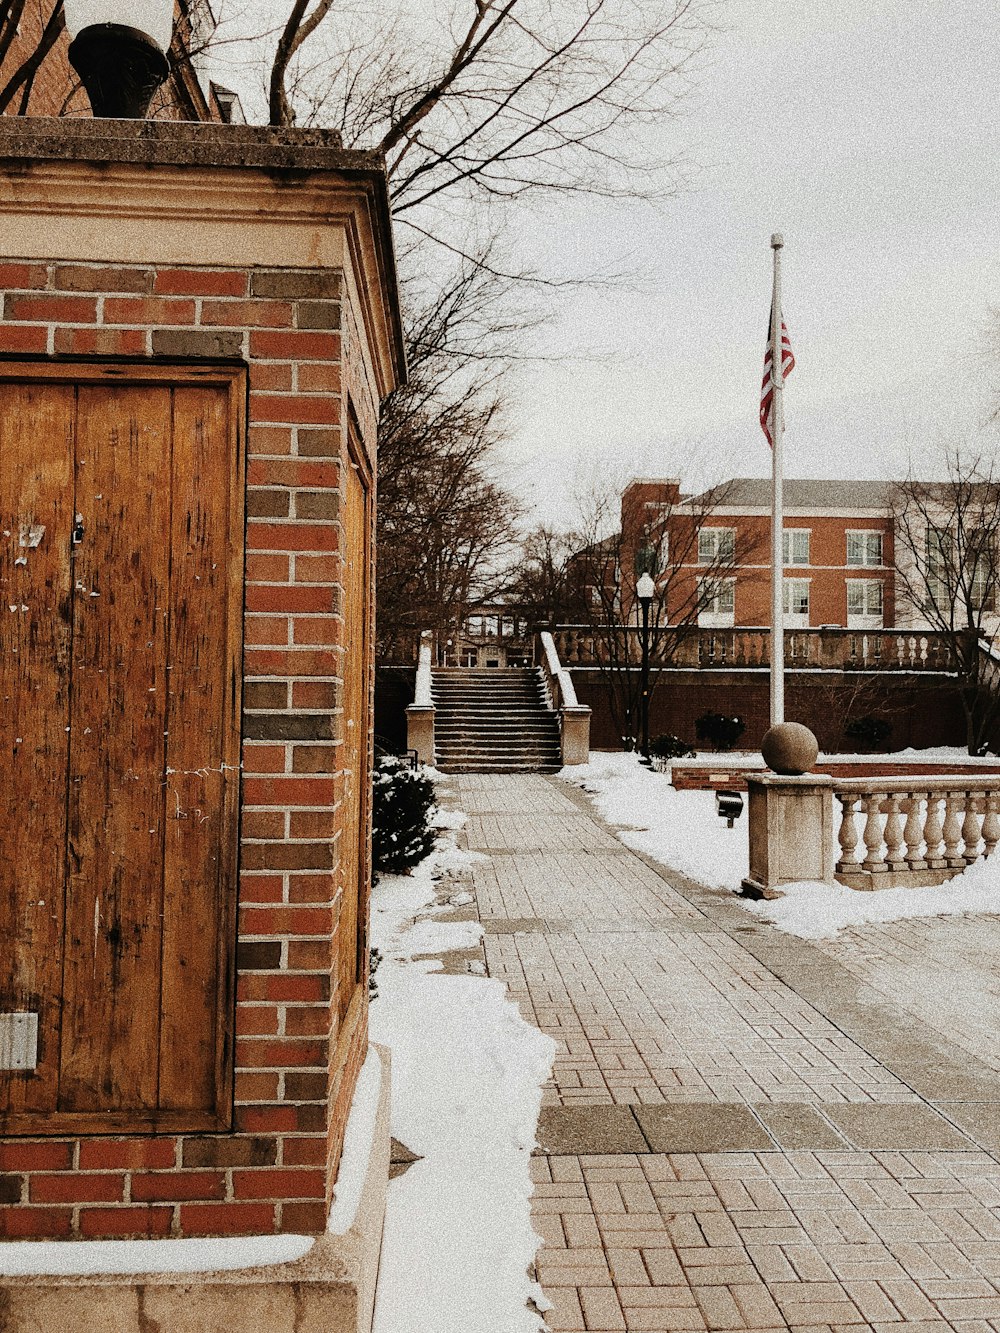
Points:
[[78, 530]]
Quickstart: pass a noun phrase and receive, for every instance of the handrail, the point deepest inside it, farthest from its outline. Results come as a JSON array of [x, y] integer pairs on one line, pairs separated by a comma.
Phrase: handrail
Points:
[[564, 691], [422, 697]]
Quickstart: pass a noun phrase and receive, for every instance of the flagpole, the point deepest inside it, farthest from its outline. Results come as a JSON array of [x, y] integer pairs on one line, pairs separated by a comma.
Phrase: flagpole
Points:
[[777, 497]]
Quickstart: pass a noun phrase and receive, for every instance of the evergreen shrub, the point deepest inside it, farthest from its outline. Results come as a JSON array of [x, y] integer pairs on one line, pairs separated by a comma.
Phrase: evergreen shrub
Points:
[[401, 831], [718, 730], [869, 730], [670, 747]]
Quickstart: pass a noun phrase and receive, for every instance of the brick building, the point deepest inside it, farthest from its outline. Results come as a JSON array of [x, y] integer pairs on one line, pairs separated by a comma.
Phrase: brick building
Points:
[[838, 550]]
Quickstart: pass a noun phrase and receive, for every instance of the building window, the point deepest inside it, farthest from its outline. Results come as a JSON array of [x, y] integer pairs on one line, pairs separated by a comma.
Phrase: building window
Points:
[[795, 546], [795, 602], [715, 545], [717, 600], [864, 548], [864, 603], [474, 627]]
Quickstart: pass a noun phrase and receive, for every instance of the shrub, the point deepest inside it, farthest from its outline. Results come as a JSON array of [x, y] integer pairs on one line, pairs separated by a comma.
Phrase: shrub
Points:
[[869, 730], [670, 747], [718, 730], [401, 832]]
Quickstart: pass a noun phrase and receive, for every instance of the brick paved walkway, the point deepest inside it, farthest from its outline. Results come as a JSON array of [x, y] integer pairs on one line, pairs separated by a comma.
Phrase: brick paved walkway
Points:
[[743, 1131]]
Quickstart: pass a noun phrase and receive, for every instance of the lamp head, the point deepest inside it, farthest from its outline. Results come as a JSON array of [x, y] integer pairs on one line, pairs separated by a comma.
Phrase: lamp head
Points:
[[645, 588], [119, 49]]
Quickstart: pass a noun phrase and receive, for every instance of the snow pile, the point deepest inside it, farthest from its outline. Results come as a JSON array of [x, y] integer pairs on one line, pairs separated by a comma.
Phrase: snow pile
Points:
[[356, 1153], [467, 1072], [957, 755], [81, 1258], [681, 830], [818, 911]]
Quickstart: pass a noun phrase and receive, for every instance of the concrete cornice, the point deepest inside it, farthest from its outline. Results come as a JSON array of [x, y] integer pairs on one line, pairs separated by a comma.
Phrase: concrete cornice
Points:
[[128, 192]]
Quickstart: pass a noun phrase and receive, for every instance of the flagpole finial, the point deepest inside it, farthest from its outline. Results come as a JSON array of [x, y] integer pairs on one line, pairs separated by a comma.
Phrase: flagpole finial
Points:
[[777, 240]]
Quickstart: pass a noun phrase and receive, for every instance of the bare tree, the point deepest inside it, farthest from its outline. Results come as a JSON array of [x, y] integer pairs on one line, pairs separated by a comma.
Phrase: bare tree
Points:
[[947, 566], [689, 579], [546, 579]]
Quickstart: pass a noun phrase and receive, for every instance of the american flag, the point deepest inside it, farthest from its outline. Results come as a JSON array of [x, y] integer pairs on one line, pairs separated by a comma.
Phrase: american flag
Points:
[[767, 388]]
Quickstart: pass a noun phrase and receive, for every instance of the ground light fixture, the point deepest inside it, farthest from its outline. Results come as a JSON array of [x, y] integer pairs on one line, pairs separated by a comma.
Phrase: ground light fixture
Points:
[[645, 590], [119, 49]]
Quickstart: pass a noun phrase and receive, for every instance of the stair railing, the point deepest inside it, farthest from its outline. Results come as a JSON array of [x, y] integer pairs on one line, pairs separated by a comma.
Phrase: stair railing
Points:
[[574, 717], [420, 714]]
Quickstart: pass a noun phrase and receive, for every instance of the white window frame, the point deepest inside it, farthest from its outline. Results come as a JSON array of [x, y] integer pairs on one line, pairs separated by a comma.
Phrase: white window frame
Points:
[[718, 603], [789, 540], [795, 619], [711, 544], [870, 616], [865, 562]]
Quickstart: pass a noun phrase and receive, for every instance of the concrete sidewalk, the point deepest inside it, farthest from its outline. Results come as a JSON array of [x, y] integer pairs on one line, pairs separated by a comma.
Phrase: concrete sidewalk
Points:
[[743, 1131]]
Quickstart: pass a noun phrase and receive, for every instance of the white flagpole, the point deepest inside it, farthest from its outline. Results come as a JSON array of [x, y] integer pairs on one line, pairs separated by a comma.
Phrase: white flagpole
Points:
[[777, 497]]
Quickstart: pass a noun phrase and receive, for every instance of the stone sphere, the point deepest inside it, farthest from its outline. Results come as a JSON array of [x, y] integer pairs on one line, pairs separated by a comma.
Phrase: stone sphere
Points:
[[789, 749]]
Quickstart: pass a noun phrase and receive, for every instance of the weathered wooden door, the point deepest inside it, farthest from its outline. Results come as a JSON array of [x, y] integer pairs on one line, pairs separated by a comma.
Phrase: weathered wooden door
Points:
[[121, 546], [355, 501]]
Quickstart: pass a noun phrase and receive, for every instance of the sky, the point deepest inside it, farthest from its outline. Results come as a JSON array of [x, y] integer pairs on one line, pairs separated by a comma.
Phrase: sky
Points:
[[865, 131]]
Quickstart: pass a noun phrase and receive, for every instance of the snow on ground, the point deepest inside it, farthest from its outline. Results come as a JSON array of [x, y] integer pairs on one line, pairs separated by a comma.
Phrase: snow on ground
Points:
[[75, 1258], [467, 1072], [681, 830]]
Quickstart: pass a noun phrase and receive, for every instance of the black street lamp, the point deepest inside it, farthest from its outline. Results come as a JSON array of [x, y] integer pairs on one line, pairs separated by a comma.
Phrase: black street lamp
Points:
[[645, 588], [119, 49]]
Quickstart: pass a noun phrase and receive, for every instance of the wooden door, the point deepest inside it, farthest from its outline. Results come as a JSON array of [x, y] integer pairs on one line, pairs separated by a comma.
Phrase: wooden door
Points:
[[121, 587], [356, 580]]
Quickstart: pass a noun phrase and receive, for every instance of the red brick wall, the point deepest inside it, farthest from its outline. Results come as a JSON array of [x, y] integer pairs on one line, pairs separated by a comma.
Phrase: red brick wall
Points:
[[923, 710], [295, 1072]]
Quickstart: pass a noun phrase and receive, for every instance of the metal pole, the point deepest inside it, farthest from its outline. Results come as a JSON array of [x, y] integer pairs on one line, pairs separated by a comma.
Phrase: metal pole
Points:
[[645, 679], [777, 498]]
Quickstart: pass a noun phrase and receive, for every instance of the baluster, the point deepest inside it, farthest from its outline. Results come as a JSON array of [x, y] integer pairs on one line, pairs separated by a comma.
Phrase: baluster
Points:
[[894, 835], [952, 831], [934, 833], [923, 652], [970, 830], [848, 835], [913, 832], [991, 825], [873, 833]]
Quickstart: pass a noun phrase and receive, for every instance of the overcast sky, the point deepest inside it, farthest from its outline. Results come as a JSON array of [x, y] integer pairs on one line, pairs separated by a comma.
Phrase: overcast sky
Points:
[[866, 132]]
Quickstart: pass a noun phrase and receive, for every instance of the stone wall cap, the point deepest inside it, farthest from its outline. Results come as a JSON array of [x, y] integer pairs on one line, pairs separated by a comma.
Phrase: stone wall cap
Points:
[[182, 143], [791, 780]]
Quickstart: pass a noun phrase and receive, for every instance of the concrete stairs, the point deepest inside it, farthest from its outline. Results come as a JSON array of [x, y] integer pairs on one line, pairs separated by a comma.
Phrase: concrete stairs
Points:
[[493, 721]]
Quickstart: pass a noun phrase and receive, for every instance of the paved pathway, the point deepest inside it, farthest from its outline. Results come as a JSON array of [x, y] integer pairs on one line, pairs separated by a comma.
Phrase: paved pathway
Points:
[[743, 1131]]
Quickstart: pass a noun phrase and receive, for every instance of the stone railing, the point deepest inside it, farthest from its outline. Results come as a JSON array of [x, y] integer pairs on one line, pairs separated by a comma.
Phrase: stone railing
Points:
[[420, 714], [741, 648], [574, 717], [914, 831]]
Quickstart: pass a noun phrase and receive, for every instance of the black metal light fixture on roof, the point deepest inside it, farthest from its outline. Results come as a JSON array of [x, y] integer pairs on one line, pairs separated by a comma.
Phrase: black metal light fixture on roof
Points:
[[119, 49]]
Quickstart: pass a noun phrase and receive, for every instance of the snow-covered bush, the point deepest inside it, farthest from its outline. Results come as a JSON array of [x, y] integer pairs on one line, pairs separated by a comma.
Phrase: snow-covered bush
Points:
[[721, 731], [670, 747], [401, 831]]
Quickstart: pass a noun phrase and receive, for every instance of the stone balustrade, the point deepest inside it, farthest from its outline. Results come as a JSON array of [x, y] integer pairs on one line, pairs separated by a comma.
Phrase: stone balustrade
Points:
[[914, 832], [750, 647]]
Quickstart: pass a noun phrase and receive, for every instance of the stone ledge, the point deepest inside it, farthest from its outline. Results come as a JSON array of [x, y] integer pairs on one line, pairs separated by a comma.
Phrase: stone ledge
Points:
[[330, 1290], [181, 143]]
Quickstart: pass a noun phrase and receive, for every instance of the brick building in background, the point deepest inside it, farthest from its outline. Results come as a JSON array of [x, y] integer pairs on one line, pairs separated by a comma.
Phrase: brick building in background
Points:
[[838, 550]]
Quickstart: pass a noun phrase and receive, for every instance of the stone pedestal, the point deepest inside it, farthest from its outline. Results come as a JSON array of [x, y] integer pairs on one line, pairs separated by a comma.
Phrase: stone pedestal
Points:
[[575, 734], [420, 731], [791, 832]]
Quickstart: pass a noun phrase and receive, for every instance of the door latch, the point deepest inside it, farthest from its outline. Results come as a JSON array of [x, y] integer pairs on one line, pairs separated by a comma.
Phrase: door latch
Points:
[[78, 530]]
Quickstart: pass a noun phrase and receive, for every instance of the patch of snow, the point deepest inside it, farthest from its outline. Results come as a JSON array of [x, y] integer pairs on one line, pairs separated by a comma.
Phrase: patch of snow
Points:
[[81, 1258], [466, 1088], [449, 819], [681, 830], [357, 1146], [461, 899], [818, 911], [739, 760], [437, 937]]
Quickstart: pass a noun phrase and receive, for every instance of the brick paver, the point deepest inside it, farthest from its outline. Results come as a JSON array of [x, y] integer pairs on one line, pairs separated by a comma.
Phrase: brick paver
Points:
[[873, 1209]]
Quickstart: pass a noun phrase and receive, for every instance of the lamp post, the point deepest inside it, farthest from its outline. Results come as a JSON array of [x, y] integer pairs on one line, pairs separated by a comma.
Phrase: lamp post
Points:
[[119, 49], [644, 590]]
